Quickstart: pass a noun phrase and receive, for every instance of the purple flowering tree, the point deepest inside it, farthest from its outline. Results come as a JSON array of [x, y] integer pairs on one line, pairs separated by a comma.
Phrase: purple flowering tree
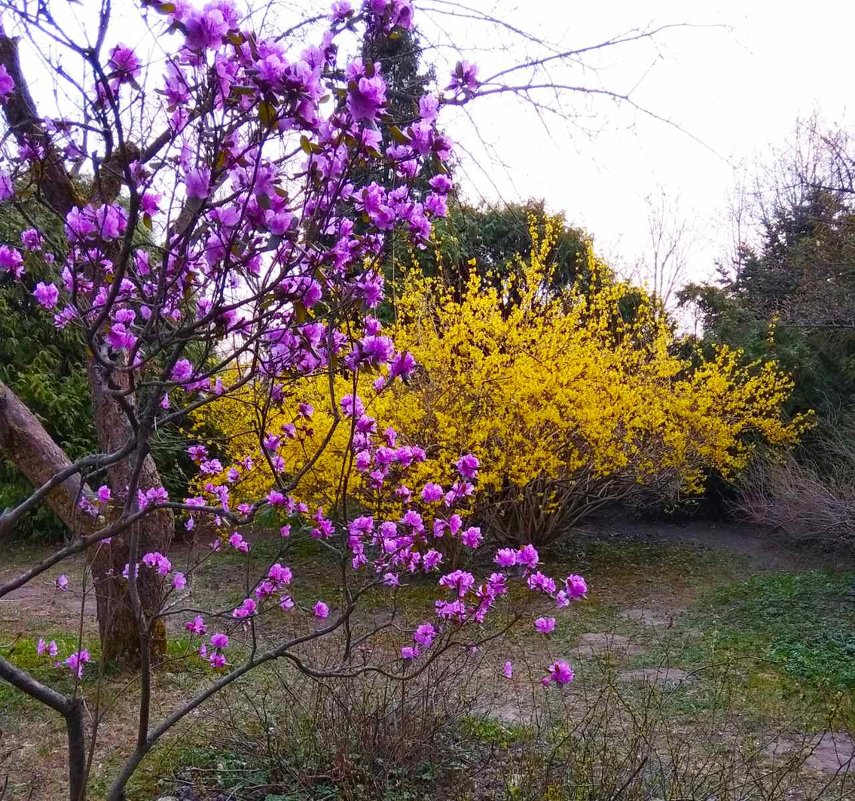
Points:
[[221, 227]]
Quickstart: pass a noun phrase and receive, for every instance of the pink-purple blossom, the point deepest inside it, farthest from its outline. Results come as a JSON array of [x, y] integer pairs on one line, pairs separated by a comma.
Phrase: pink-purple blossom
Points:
[[75, 662], [7, 85], [560, 673], [576, 587], [321, 610], [197, 183], [46, 294], [196, 625], [47, 648], [246, 609], [124, 63], [545, 625], [11, 260]]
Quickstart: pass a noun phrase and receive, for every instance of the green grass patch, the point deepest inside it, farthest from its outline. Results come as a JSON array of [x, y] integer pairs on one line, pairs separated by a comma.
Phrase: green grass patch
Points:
[[802, 623]]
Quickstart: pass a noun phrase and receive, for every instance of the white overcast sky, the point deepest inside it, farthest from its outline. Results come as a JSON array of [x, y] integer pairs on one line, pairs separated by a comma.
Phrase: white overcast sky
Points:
[[734, 81], [737, 82]]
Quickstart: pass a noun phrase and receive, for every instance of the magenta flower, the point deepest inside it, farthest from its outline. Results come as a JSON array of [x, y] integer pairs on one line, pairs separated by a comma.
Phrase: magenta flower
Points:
[[245, 610], [150, 203], [505, 557], [508, 669], [75, 662], [211, 467], [441, 184], [31, 239], [197, 183], [220, 640], [467, 466], [465, 76], [11, 260], [237, 542], [276, 498], [46, 294], [321, 610], [206, 28], [280, 574], [62, 583], [198, 453], [7, 85], [179, 581], [182, 370], [432, 492], [576, 587], [124, 63], [196, 625], [527, 555], [409, 652], [459, 580], [157, 561], [341, 10], [46, 648], [424, 635], [539, 582], [352, 405], [7, 189], [545, 625], [471, 537], [560, 672], [366, 97], [402, 365], [391, 580], [431, 560]]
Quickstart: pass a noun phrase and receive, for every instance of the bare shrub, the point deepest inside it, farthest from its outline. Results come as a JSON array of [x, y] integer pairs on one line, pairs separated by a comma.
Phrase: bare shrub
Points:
[[545, 510], [800, 500], [363, 738], [457, 732]]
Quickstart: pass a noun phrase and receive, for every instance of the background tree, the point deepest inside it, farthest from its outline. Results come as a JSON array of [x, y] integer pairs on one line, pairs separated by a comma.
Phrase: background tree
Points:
[[663, 266], [489, 241], [789, 286]]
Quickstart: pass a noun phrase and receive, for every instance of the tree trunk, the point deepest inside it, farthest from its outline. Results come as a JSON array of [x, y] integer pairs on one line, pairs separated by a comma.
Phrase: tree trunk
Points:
[[35, 453], [116, 619], [24, 439]]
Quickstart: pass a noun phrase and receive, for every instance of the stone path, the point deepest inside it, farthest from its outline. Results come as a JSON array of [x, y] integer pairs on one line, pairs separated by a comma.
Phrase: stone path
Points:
[[667, 678], [646, 617], [829, 752], [600, 643]]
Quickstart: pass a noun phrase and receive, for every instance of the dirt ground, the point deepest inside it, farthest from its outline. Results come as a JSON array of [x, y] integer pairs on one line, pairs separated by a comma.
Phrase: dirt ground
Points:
[[644, 626]]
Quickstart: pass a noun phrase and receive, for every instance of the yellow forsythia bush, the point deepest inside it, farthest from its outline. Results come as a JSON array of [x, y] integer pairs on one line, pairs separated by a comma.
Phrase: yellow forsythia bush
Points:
[[569, 401]]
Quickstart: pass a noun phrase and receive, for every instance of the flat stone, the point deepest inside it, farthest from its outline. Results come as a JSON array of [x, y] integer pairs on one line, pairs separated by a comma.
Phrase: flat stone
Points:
[[666, 677], [647, 617], [829, 752], [596, 643]]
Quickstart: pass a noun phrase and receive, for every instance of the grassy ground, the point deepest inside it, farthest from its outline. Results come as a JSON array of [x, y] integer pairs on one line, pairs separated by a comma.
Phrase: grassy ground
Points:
[[703, 655]]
